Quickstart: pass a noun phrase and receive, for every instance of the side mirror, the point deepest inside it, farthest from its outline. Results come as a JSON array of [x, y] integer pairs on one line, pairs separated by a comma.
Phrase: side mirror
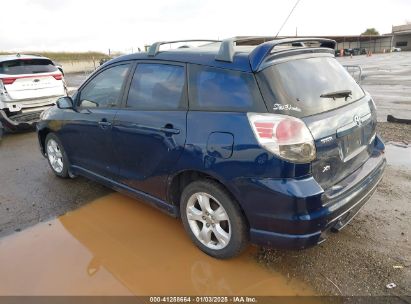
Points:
[[65, 103]]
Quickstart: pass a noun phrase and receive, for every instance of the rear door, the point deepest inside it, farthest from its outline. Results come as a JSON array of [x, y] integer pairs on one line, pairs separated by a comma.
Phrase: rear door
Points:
[[340, 116], [149, 132], [87, 133], [31, 78]]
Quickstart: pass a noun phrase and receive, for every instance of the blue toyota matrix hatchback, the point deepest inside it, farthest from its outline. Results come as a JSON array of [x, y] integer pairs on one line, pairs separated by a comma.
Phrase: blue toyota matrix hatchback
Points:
[[273, 144]]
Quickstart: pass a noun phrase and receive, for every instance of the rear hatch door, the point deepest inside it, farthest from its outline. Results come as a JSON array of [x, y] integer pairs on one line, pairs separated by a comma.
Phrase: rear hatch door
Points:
[[344, 140], [340, 116]]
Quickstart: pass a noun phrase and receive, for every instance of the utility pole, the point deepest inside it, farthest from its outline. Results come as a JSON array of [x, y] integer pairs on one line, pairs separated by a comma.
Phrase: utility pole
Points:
[[296, 31]]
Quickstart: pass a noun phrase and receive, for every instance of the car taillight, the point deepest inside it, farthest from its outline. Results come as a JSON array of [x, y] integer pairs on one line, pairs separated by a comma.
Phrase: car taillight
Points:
[[58, 76], [8, 80], [285, 136]]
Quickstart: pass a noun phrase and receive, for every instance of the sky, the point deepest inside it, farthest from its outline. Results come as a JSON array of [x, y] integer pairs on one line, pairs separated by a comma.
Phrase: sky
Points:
[[126, 25]]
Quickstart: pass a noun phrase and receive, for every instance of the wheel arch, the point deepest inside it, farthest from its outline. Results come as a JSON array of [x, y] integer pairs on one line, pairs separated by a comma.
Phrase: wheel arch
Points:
[[180, 180], [42, 134]]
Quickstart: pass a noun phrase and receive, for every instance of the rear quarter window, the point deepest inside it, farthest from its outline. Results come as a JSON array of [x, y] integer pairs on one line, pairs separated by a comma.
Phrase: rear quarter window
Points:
[[27, 66], [215, 89]]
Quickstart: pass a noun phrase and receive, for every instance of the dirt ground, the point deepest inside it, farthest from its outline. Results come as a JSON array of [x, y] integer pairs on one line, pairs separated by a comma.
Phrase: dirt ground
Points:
[[29, 193], [394, 132]]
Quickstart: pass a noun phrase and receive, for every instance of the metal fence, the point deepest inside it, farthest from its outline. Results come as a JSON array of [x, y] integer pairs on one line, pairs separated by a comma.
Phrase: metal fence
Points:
[[355, 71]]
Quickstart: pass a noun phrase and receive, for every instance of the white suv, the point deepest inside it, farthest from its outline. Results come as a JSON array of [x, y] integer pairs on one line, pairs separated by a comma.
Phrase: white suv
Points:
[[28, 85]]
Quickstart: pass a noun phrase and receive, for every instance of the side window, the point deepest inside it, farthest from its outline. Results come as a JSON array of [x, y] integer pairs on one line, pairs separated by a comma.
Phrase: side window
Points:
[[216, 89], [157, 87], [104, 90]]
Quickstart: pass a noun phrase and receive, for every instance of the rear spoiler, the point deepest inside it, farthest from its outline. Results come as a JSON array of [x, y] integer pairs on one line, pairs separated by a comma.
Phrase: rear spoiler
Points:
[[263, 51]]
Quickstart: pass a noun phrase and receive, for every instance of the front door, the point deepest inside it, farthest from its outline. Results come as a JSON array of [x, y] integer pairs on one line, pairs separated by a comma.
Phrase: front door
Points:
[[89, 128]]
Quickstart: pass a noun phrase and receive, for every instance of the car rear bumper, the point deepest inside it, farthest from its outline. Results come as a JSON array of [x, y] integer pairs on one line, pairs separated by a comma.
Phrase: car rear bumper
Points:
[[27, 113], [26, 105], [300, 214], [20, 122]]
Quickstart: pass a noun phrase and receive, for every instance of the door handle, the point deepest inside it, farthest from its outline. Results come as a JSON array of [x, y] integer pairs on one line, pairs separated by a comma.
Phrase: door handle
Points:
[[104, 124], [168, 128]]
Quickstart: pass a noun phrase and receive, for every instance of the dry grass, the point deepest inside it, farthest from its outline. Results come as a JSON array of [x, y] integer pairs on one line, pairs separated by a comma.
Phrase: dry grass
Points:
[[63, 56]]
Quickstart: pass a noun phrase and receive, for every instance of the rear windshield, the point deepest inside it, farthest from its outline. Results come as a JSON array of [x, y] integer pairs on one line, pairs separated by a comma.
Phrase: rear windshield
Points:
[[26, 66], [295, 87]]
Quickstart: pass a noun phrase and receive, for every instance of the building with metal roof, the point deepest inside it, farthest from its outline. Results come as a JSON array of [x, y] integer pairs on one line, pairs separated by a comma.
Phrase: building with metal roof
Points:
[[373, 43], [402, 36]]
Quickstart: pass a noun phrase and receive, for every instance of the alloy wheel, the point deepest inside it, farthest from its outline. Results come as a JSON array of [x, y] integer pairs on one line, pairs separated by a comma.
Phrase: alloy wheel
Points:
[[55, 156], [208, 220]]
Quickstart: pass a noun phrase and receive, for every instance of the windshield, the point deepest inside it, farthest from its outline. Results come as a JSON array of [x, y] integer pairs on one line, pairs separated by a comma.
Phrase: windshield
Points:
[[26, 66], [304, 87]]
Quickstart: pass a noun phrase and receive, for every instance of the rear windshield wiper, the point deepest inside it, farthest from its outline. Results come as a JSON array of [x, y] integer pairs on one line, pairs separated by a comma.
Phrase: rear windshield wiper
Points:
[[337, 94]]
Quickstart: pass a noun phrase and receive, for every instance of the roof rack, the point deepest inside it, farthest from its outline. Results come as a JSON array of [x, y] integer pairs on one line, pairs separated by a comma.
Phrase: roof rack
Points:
[[155, 47], [226, 51], [257, 56]]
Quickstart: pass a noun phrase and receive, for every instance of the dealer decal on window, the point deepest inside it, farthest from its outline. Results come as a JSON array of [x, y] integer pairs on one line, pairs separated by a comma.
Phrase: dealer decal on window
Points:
[[286, 107]]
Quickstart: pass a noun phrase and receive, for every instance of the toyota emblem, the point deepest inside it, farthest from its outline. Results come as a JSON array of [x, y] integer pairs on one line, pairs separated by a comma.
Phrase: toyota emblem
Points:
[[357, 120]]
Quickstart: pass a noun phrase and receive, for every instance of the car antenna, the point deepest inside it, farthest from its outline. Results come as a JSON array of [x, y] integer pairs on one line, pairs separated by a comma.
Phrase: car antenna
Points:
[[286, 19]]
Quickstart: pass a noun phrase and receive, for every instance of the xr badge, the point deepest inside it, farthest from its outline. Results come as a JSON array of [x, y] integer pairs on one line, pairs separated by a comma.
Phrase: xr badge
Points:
[[326, 168]]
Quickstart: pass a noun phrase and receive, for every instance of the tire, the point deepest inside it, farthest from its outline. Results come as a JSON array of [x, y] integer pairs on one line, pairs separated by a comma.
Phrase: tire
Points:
[[220, 233], [54, 150]]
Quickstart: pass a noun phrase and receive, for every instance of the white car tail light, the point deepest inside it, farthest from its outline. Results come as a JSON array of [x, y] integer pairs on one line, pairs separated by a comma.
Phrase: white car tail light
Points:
[[11, 80], [285, 136], [58, 76]]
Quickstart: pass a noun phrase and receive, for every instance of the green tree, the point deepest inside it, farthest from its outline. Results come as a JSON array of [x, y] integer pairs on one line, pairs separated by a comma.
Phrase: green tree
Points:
[[371, 31]]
